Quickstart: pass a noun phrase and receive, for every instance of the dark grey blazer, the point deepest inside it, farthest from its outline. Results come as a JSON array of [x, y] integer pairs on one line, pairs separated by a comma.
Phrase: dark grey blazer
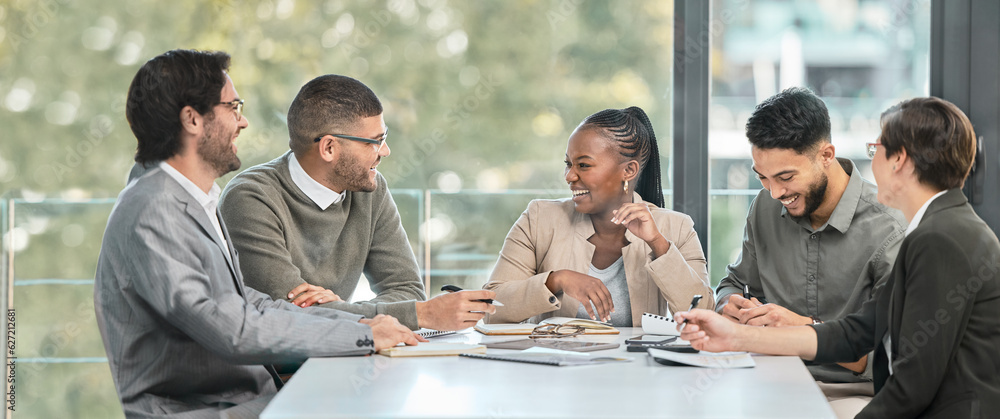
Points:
[[182, 333], [941, 309]]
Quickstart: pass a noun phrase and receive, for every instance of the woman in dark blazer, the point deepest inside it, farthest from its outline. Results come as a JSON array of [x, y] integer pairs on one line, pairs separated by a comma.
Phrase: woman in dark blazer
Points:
[[935, 326]]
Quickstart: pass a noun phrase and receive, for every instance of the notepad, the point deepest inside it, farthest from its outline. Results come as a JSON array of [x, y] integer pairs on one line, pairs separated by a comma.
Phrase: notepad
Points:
[[551, 357], [703, 359], [592, 327], [430, 333], [433, 349], [653, 324]]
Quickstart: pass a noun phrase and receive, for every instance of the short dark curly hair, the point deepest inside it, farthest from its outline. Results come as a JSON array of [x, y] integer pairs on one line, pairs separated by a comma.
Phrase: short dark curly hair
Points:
[[328, 104], [165, 85], [794, 119]]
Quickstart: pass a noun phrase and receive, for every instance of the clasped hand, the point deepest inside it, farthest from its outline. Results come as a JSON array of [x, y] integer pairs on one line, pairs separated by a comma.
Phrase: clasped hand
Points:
[[307, 294], [752, 312]]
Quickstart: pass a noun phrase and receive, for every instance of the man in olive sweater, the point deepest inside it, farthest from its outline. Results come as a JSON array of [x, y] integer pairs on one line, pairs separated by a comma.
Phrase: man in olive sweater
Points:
[[309, 223]]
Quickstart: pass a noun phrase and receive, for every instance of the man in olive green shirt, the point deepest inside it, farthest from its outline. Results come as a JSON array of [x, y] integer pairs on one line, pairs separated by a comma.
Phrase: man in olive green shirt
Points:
[[817, 243]]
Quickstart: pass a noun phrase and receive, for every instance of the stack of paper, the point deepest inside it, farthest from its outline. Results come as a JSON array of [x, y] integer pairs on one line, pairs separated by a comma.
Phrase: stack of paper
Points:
[[703, 359], [554, 357]]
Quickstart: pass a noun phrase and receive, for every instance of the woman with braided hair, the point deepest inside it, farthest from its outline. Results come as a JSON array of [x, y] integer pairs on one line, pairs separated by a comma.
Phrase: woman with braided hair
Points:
[[610, 252]]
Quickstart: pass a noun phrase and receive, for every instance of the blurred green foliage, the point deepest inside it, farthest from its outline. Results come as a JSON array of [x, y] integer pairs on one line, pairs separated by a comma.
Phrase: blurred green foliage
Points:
[[478, 95], [467, 86]]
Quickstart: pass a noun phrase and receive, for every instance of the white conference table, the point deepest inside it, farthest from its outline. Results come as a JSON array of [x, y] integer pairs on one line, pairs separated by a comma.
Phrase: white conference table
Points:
[[457, 387]]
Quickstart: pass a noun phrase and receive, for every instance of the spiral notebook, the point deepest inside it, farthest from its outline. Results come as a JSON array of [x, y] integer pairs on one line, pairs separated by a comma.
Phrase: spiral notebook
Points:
[[430, 333], [653, 324]]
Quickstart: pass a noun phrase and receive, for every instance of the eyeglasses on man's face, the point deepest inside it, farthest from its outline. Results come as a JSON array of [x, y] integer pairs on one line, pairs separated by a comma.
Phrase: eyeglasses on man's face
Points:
[[871, 148], [237, 106], [378, 143]]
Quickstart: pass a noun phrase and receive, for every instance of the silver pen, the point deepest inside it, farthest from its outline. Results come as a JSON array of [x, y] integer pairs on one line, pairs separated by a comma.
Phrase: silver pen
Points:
[[694, 303]]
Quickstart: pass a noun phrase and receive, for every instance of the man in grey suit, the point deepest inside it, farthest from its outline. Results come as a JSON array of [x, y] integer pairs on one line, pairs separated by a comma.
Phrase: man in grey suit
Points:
[[184, 336]]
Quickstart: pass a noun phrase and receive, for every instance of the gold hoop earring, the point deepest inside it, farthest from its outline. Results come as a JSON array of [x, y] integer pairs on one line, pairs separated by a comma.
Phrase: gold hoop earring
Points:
[[626, 187]]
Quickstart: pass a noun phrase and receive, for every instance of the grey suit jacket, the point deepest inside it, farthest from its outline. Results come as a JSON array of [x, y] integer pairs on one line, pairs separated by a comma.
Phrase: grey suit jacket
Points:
[[941, 310], [182, 333]]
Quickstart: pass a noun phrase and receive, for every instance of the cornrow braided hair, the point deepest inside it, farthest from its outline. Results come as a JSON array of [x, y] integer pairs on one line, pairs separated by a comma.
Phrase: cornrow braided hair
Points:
[[631, 130]]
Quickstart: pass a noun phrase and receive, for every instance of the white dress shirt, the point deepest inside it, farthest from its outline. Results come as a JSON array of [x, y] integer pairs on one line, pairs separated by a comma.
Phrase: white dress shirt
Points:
[[209, 201], [319, 194]]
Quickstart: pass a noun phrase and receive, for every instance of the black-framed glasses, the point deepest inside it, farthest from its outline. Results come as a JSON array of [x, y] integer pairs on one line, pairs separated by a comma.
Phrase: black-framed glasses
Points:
[[237, 106], [377, 142], [871, 148]]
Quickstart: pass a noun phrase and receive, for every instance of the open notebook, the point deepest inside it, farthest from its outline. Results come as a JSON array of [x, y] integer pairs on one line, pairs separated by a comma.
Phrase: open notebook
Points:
[[592, 327]]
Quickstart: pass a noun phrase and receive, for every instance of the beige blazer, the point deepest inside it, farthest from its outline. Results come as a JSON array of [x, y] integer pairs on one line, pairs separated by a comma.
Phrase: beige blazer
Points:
[[550, 235]]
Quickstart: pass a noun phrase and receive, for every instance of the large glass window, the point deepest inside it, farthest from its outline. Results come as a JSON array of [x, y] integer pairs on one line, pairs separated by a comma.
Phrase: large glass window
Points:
[[480, 98], [859, 56]]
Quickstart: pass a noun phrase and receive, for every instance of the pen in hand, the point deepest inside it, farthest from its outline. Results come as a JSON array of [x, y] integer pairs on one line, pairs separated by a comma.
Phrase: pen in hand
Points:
[[746, 294], [694, 303], [452, 288]]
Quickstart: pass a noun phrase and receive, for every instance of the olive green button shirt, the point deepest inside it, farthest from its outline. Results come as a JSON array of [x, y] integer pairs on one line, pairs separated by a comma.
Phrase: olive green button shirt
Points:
[[826, 273]]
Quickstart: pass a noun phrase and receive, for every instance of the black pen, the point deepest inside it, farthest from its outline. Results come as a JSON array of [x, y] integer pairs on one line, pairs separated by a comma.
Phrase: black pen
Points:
[[694, 303], [452, 288], [747, 295]]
